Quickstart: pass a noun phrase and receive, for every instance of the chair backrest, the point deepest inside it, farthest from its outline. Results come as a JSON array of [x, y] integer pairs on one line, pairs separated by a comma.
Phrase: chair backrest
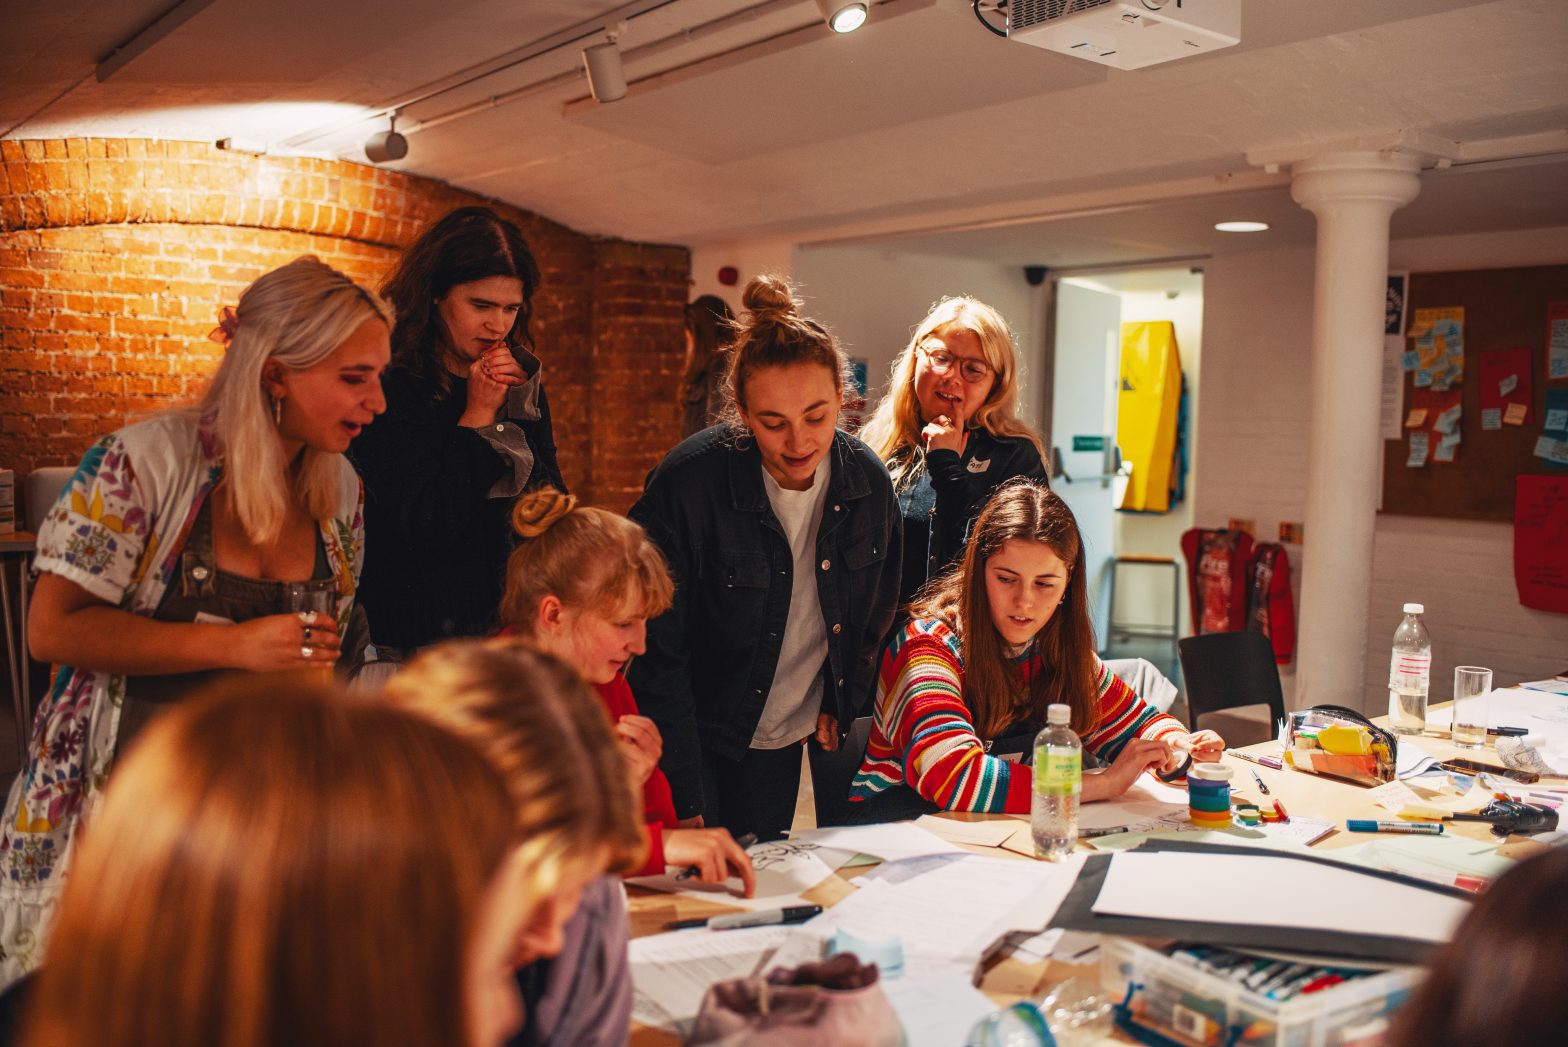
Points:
[[832, 772], [1226, 670], [42, 488]]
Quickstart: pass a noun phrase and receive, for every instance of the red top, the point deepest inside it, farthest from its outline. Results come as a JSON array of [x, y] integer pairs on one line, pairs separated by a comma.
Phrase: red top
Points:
[[658, 804]]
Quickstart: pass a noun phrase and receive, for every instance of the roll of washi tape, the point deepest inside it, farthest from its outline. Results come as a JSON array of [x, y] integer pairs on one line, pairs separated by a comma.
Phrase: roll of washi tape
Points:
[[1208, 795]]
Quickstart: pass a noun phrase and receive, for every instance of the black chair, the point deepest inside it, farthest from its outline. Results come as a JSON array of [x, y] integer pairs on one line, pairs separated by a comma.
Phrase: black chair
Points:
[[832, 772], [1223, 671]]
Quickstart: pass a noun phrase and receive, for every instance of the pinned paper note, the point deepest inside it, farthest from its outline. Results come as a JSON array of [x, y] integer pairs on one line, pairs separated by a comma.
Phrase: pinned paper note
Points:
[[1554, 451], [1557, 340], [1423, 378], [1508, 385], [1448, 421], [1410, 359], [1516, 414], [1556, 420], [1416, 418], [1447, 447], [1492, 418], [1419, 443]]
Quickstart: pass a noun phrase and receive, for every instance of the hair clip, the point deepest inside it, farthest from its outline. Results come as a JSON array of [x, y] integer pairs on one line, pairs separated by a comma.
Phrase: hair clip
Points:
[[228, 323]]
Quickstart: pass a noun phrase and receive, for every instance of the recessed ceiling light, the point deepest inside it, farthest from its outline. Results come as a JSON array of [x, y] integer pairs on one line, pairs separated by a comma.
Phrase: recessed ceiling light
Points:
[[1241, 227]]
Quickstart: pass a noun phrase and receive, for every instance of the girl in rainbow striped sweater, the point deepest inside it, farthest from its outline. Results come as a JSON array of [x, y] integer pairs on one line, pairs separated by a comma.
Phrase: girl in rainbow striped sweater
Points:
[[988, 646]]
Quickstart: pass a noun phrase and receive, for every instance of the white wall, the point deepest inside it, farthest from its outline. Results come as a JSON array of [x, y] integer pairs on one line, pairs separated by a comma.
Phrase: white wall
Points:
[[750, 257], [872, 299], [1252, 443]]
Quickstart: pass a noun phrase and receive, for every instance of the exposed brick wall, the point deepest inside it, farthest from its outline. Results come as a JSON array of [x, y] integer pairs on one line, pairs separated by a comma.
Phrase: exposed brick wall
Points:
[[115, 256]]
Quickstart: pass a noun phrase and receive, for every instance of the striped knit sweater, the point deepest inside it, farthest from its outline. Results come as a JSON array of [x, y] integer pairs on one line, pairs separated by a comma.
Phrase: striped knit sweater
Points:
[[924, 735]]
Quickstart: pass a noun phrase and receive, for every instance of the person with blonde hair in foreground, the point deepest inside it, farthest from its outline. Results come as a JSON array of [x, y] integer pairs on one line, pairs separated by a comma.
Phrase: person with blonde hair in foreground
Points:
[[577, 812], [276, 863]]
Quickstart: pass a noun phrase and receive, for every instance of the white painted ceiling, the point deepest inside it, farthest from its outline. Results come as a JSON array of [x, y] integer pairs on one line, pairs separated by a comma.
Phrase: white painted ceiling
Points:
[[922, 130]]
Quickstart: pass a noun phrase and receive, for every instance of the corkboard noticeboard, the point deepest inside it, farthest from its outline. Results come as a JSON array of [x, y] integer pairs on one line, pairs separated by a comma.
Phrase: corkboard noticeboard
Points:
[[1504, 309]]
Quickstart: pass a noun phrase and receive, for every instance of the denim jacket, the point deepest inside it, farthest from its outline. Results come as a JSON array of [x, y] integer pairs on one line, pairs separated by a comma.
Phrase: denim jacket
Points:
[[710, 661]]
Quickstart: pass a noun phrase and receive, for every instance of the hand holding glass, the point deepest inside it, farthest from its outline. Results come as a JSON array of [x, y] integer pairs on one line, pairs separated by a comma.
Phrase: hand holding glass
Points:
[[305, 599], [1472, 684]]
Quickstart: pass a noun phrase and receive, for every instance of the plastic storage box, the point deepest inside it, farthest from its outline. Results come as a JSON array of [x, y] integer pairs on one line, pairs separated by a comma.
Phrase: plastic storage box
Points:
[[1194, 1007]]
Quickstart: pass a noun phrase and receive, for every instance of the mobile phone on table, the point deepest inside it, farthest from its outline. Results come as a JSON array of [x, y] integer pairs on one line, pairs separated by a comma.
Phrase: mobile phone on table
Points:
[[1476, 767]]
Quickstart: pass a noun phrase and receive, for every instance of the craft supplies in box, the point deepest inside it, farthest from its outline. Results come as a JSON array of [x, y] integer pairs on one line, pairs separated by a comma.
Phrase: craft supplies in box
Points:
[[1196, 995], [1340, 743]]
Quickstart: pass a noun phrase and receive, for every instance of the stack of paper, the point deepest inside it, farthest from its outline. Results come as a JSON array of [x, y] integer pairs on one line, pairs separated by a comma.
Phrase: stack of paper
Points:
[[671, 972]]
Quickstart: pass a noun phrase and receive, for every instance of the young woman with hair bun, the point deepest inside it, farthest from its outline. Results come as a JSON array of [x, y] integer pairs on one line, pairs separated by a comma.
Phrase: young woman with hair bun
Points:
[[989, 645], [782, 535], [581, 585], [949, 431]]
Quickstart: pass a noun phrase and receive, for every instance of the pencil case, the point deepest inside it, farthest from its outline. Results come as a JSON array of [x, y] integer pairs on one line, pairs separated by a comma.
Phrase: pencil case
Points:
[[1341, 743]]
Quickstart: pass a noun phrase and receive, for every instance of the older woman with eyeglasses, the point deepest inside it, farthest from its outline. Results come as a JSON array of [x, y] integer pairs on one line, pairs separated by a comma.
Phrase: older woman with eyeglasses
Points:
[[949, 431]]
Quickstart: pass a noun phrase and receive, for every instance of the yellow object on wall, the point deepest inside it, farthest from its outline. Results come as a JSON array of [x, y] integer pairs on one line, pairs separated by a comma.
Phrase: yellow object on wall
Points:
[[1147, 409]]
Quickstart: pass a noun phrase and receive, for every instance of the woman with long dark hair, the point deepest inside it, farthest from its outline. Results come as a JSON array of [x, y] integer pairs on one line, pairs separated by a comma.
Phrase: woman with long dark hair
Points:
[[710, 330], [467, 429], [989, 645]]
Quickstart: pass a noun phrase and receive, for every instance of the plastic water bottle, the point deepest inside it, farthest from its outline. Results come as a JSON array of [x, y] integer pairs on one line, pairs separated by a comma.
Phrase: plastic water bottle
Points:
[[1410, 673], [1058, 779], [1021, 1025]]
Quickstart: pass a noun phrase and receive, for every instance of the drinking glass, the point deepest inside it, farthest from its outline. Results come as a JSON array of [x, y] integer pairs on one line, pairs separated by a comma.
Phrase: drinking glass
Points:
[[324, 602], [1472, 684]]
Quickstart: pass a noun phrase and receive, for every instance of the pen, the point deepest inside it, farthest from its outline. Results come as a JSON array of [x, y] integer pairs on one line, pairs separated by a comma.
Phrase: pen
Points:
[[1259, 779], [763, 918], [691, 870], [1357, 825], [1267, 761], [1507, 732]]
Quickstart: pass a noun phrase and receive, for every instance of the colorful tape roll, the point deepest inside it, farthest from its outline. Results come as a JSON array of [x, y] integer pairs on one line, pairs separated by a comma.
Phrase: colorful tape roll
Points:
[[1208, 795]]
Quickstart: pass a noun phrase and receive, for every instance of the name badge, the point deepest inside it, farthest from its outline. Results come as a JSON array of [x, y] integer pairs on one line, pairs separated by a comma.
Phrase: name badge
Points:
[[979, 465]]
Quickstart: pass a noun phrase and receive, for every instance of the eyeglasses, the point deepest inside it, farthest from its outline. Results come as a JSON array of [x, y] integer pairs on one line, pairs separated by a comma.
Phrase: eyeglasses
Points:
[[970, 369]]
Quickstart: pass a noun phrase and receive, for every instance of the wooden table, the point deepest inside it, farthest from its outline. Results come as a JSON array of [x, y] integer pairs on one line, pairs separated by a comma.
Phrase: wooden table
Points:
[[1303, 795]]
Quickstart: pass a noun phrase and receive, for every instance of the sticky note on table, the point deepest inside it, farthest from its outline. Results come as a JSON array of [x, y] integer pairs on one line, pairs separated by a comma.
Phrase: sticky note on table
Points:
[[1416, 418], [1516, 413], [1492, 418], [1508, 385]]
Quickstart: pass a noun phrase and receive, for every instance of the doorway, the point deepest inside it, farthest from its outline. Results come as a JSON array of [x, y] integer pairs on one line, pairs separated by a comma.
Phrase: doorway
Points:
[[1091, 466]]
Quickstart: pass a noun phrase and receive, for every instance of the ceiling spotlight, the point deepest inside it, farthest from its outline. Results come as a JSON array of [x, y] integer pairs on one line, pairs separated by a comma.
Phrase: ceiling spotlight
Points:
[[843, 16], [1241, 227], [386, 145], [606, 75]]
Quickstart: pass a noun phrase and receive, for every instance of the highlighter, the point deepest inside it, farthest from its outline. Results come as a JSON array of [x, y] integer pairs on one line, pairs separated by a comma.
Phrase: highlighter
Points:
[[1357, 825]]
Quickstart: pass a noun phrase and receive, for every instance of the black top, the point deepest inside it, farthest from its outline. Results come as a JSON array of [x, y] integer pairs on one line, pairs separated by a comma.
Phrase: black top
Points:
[[436, 542], [711, 658], [949, 492]]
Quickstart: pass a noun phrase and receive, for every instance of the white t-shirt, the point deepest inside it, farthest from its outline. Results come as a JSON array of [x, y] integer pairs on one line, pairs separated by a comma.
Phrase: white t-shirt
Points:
[[796, 695]]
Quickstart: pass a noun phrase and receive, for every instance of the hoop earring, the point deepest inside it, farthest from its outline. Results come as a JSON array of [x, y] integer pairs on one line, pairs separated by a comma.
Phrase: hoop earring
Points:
[[277, 411]]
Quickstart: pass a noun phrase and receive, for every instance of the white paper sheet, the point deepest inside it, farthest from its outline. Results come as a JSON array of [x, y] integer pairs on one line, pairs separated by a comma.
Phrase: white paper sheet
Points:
[[1148, 805], [891, 841], [989, 833], [672, 971], [1539, 712], [1269, 891], [1395, 796], [937, 1011], [784, 869], [1412, 760]]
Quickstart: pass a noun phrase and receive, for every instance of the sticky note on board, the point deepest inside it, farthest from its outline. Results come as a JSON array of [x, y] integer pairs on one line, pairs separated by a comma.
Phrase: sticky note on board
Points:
[[1516, 413], [1423, 378], [1508, 385], [1448, 420], [1492, 418], [1556, 420], [1410, 360], [1418, 450], [1447, 448], [1555, 451], [1416, 418]]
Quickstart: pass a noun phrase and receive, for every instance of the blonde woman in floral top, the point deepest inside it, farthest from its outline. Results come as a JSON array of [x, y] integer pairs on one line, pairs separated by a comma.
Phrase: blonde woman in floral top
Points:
[[179, 549]]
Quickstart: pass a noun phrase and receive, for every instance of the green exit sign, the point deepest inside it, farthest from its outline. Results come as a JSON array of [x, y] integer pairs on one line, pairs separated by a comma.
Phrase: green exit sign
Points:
[[1088, 443]]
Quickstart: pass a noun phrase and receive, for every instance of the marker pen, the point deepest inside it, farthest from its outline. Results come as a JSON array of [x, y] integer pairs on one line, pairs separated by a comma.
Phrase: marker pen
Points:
[[1357, 825]]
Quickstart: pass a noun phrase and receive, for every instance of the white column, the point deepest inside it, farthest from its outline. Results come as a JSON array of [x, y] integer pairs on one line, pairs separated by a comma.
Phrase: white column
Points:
[[1352, 195]]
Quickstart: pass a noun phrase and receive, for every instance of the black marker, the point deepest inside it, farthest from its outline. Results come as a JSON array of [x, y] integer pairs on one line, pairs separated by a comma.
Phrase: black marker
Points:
[[735, 921]]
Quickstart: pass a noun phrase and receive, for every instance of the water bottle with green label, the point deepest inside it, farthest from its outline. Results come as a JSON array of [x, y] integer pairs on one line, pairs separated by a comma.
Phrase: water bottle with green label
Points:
[[1058, 779]]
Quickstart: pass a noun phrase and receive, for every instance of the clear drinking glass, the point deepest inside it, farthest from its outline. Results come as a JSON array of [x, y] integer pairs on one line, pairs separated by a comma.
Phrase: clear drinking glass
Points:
[[305, 598], [1472, 684]]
